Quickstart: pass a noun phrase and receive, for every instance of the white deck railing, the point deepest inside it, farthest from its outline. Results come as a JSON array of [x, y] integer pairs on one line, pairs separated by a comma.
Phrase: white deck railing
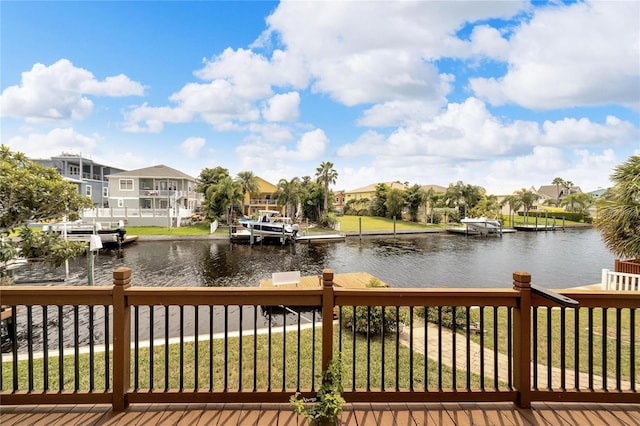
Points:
[[620, 281]]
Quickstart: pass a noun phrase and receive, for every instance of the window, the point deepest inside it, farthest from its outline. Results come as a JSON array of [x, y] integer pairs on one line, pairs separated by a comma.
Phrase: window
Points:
[[120, 202], [126, 184], [87, 190], [105, 191], [74, 170]]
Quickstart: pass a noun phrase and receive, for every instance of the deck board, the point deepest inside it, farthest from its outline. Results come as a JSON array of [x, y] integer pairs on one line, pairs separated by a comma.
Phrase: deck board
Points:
[[394, 414], [347, 280]]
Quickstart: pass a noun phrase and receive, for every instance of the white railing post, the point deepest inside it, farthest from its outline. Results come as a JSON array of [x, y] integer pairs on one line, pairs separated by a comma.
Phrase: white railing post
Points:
[[605, 279]]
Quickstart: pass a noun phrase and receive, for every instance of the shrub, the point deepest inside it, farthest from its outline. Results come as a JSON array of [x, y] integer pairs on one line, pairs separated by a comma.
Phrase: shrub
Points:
[[446, 317]]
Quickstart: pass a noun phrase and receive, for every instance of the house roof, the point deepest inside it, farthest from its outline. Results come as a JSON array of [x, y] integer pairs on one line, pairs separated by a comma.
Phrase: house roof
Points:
[[372, 187], [436, 188], [160, 171], [551, 191]]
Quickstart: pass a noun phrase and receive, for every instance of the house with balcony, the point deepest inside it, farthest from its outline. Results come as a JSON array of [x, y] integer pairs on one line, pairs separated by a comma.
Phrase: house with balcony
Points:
[[152, 196], [89, 176], [264, 199]]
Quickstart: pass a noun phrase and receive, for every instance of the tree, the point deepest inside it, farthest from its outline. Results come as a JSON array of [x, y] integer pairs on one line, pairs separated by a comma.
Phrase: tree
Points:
[[248, 184], [558, 182], [488, 206], [311, 195], [30, 193], [288, 194], [578, 203], [514, 203], [619, 211], [378, 203], [526, 199], [415, 198], [228, 193], [395, 203], [214, 204], [326, 175]]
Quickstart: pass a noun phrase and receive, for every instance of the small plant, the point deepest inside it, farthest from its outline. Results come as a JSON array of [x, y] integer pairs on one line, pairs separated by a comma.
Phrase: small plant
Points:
[[325, 408]]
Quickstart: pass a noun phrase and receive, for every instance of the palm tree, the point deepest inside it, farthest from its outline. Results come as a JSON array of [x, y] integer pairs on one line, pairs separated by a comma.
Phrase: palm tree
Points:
[[567, 184], [228, 191], [514, 205], [288, 194], [527, 199], [248, 184], [619, 213], [326, 175], [558, 182]]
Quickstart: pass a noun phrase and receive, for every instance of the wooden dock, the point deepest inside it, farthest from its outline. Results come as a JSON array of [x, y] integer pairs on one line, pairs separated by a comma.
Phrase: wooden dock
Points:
[[320, 238], [348, 280], [538, 228]]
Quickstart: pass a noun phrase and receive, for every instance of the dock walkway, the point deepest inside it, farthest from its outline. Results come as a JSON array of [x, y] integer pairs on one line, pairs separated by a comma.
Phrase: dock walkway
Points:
[[348, 280]]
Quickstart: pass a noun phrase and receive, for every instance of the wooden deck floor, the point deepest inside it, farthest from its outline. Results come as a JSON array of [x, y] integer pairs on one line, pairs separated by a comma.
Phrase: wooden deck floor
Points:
[[347, 280], [354, 414]]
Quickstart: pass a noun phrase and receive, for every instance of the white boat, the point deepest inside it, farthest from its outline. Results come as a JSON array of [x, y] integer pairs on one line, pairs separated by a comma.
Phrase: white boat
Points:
[[270, 225], [483, 225]]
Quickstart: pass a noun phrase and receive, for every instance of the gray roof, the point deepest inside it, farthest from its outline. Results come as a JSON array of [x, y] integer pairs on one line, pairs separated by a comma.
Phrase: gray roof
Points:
[[160, 172]]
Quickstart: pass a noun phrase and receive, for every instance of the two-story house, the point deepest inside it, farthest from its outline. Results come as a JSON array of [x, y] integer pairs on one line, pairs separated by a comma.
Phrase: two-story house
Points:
[[264, 199], [153, 194], [88, 175]]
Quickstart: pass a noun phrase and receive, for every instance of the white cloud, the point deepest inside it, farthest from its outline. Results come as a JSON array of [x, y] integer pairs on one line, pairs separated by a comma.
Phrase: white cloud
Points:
[[38, 145], [191, 146], [284, 107], [59, 92], [583, 54], [153, 118]]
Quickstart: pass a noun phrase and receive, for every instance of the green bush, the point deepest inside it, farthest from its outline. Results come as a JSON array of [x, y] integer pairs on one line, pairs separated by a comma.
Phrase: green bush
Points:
[[446, 317]]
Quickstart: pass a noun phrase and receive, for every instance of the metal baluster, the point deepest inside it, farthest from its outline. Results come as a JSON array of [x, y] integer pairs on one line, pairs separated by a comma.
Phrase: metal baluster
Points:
[[439, 348], [240, 348], [107, 367], [151, 349], [576, 346], [382, 349], [181, 356], [255, 348], [605, 333], [353, 342], [426, 350], [76, 349], [30, 346], [136, 348], [14, 348], [60, 349], [534, 322], [91, 351], [211, 353], [195, 347], [411, 349], [619, 348], [549, 361], [368, 347], [45, 348], [563, 351], [468, 341], [454, 364], [510, 348], [226, 348], [298, 360], [313, 348], [482, 328], [284, 350], [496, 380], [166, 348], [270, 311], [632, 353], [590, 320], [397, 348]]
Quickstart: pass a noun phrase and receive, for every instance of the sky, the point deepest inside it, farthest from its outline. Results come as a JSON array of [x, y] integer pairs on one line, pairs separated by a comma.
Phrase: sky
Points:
[[501, 94]]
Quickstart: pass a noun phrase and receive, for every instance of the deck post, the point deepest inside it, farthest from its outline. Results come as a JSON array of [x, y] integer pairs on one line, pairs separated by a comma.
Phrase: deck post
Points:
[[327, 317], [121, 338], [522, 340]]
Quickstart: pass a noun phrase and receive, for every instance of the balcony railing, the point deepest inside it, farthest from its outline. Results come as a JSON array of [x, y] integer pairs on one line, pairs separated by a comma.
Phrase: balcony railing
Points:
[[125, 344]]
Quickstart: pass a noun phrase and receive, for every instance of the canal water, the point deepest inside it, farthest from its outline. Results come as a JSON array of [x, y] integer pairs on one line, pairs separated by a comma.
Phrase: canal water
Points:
[[557, 259]]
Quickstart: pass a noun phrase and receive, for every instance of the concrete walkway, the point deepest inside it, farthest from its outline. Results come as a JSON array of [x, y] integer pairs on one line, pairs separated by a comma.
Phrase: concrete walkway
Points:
[[476, 360]]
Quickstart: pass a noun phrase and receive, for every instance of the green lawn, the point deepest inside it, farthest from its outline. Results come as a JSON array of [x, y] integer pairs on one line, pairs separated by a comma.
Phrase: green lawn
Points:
[[369, 223]]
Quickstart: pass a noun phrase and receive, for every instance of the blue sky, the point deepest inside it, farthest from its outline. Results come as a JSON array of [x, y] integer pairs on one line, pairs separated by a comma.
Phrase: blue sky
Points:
[[502, 94]]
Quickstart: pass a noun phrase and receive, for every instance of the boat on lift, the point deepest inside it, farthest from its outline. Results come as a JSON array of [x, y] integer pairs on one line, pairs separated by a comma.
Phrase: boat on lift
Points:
[[483, 225], [270, 224]]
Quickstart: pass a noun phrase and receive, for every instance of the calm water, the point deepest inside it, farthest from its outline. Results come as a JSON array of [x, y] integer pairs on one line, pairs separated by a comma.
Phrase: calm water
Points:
[[554, 259]]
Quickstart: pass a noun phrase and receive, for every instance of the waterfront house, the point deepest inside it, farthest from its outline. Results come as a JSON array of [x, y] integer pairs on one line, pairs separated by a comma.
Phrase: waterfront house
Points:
[[89, 176], [264, 199], [151, 196]]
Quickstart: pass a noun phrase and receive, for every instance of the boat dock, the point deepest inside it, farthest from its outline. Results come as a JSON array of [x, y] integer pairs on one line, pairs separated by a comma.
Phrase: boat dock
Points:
[[348, 280], [320, 238], [538, 228], [244, 236]]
